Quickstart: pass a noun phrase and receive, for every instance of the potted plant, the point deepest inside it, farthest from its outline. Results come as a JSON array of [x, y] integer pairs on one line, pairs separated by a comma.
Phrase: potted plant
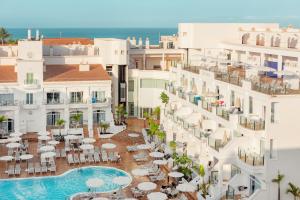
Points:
[[120, 113], [278, 180], [105, 126], [60, 123], [77, 118], [294, 190], [204, 187]]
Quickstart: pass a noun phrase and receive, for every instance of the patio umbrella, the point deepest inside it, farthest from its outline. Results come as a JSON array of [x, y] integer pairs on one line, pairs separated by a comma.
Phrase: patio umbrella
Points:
[[53, 142], [47, 148], [186, 187], [156, 154], [48, 154], [108, 146], [157, 195], [94, 182], [43, 133], [133, 135], [17, 134], [71, 137], [121, 180], [13, 145], [44, 137], [86, 147], [144, 146], [6, 158], [14, 139], [160, 162], [140, 172], [88, 140], [176, 174], [147, 186], [26, 157]]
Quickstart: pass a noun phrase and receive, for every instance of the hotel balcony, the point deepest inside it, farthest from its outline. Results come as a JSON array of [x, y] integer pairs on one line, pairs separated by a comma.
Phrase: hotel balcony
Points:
[[77, 103], [217, 143], [8, 105], [104, 102], [253, 123], [31, 84], [53, 101], [30, 105], [250, 157], [223, 113]]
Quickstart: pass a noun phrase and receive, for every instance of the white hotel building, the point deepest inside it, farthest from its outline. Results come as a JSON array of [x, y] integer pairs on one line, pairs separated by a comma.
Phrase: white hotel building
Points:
[[233, 88]]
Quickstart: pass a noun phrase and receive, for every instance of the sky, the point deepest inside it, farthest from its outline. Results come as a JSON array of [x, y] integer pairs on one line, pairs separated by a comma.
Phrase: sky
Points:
[[142, 13]]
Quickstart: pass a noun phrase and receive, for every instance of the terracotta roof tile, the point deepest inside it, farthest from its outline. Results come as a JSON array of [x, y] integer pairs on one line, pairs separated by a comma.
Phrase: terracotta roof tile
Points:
[[57, 73], [8, 74], [67, 41]]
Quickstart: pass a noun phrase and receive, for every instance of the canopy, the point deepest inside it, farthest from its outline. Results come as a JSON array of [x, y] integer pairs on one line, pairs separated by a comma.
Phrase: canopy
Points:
[[88, 140], [156, 154], [160, 162], [13, 145], [144, 146], [147, 186], [94, 182], [26, 157], [157, 195], [86, 146], [186, 187], [140, 172], [121, 180], [47, 148], [48, 154], [108, 146], [176, 174]]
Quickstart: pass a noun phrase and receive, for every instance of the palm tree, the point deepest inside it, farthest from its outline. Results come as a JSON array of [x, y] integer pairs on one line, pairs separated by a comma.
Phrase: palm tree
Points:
[[294, 190], [3, 35], [164, 98], [161, 135], [147, 118], [120, 113], [105, 126], [278, 180], [60, 123], [77, 118], [153, 129]]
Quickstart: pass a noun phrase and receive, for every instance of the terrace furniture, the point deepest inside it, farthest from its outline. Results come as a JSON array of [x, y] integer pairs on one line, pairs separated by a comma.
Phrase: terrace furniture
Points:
[[17, 169], [97, 150], [132, 148], [52, 168], [90, 158], [44, 168], [37, 168], [96, 157], [161, 176], [11, 170], [104, 156], [70, 159], [57, 151], [82, 158], [30, 169], [76, 159], [63, 153], [137, 193]]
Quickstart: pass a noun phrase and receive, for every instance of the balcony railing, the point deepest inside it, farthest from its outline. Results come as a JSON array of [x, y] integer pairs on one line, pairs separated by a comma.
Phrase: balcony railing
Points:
[[53, 101], [8, 103], [252, 124], [251, 158], [77, 101], [207, 106], [102, 100], [31, 82], [217, 144], [222, 112]]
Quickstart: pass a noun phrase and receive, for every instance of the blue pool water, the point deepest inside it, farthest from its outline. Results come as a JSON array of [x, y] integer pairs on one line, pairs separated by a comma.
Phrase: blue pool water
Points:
[[58, 187]]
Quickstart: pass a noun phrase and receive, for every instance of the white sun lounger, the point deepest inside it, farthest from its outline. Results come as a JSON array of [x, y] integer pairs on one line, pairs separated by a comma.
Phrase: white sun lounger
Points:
[[104, 156], [96, 157], [70, 159], [37, 168], [11, 170], [30, 169], [82, 158], [44, 168], [76, 159], [57, 151], [52, 168], [63, 153], [18, 169], [90, 158]]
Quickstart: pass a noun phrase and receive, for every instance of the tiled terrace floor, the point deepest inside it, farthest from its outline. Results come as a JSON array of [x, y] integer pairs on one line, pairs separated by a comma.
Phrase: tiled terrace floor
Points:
[[121, 140]]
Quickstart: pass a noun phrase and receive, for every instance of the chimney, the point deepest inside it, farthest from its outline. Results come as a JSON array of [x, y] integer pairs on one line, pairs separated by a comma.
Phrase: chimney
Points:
[[29, 34], [147, 43], [140, 42], [37, 35]]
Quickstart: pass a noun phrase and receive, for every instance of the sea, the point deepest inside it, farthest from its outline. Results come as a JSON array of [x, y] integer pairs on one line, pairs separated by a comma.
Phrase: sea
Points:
[[122, 33]]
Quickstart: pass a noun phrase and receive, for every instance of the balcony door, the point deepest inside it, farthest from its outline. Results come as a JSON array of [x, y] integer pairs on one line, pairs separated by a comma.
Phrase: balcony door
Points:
[[76, 97], [53, 97]]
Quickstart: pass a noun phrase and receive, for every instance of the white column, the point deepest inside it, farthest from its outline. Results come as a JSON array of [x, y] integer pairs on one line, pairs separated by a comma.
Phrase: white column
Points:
[[262, 59], [17, 120], [279, 62], [90, 120], [67, 118]]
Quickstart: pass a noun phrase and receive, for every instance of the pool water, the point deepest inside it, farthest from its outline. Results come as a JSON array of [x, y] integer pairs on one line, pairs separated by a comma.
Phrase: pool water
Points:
[[59, 187]]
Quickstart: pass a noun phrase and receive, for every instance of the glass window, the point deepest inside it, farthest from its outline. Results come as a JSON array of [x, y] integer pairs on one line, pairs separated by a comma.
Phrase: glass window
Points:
[[76, 97], [53, 97], [6, 99], [153, 83], [29, 98], [250, 105], [98, 96], [52, 117], [273, 112], [98, 116], [131, 85], [131, 108]]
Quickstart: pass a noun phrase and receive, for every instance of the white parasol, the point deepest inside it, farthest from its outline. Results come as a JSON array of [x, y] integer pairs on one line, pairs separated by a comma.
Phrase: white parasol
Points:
[[48, 154], [156, 154], [157, 195], [13, 145], [86, 147], [121, 180], [108, 146], [160, 162], [186, 187], [147, 186], [144, 146], [47, 148], [53, 142], [88, 140], [176, 174], [44, 137], [140, 172]]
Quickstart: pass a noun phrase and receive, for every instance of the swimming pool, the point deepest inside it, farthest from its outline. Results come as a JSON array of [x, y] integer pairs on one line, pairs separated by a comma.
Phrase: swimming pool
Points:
[[59, 187]]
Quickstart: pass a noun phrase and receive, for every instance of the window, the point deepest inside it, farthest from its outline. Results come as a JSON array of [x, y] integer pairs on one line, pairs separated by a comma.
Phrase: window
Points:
[[98, 96], [73, 122], [29, 78], [122, 52], [53, 97], [250, 105], [131, 85], [52, 117], [273, 109], [122, 92], [109, 70], [153, 83], [76, 97], [131, 108], [6, 99], [29, 98], [98, 116]]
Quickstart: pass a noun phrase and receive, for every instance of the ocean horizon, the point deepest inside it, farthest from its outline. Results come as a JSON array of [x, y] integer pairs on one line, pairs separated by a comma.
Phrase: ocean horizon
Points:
[[122, 33]]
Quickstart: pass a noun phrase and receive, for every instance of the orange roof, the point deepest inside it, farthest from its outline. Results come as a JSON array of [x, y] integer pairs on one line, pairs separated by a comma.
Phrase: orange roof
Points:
[[67, 41], [8, 74], [57, 73]]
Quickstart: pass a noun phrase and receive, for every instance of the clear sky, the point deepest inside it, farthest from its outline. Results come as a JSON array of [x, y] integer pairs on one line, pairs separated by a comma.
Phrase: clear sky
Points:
[[143, 13]]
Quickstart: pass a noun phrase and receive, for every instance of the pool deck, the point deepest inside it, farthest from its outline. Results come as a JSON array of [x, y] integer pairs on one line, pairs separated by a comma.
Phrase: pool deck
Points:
[[121, 140]]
